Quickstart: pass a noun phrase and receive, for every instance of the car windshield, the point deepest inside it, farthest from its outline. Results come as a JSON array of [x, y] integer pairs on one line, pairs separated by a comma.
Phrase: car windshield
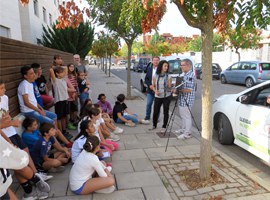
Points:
[[175, 67]]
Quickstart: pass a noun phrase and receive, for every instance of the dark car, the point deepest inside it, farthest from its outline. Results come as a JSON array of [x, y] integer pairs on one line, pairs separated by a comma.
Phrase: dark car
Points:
[[216, 70], [140, 64]]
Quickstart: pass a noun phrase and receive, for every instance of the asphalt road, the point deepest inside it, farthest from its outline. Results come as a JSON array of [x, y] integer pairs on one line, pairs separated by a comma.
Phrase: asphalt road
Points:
[[248, 160]]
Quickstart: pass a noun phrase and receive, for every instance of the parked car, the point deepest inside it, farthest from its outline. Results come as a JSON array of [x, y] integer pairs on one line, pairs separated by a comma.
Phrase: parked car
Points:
[[216, 70], [246, 72], [122, 62], [140, 64], [244, 119], [175, 70]]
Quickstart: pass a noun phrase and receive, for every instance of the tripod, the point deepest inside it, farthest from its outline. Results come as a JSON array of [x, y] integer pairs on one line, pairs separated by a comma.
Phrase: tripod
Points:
[[172, 117]]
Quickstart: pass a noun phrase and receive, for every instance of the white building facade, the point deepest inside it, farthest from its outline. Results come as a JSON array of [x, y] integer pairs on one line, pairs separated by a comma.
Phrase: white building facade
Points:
[[24, 23]]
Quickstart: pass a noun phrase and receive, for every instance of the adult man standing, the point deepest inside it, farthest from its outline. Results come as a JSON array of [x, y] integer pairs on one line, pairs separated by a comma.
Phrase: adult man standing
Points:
[[77, 61], [151, 71], [186, 99]]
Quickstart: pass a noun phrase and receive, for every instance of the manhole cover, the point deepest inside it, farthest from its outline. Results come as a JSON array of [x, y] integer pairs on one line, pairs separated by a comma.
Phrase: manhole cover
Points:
[[161, 135], [114, 83]]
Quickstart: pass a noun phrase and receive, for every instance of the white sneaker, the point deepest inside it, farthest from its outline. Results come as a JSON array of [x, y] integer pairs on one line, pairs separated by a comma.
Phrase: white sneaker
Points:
[[118, 130], [109, 168], [163, 130], [145, 121], [183, 136], [44, 176], [179, 131], [114, 137]]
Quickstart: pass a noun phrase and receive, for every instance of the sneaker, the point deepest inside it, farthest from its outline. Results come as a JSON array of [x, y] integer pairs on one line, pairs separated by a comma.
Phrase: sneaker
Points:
[[70, 126], [35, 194], [109, 168], [163, 130], [183, 136], [145, 121], [131, 124], [57, 169], [69, 145], [43, 186], [41, 195], [106, 190], [68, 136], [153, 128], [118, 130], [114, 137], [179, 131], [44, 176]]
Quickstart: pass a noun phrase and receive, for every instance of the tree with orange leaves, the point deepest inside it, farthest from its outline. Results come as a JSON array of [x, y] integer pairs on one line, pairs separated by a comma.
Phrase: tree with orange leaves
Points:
[[207, 15]]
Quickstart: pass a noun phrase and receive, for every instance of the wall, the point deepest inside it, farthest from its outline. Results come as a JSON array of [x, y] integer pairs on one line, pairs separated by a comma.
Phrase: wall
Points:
[[15, 54]]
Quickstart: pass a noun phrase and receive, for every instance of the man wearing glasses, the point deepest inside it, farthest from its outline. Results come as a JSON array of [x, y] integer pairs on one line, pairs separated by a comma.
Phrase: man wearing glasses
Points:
[[186, 99]]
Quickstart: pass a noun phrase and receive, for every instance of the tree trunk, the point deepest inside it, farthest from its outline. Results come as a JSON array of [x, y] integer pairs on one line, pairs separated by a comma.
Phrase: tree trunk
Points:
[[129, 45], [106, 66], [238, 53], [110, 66], [206, 137]]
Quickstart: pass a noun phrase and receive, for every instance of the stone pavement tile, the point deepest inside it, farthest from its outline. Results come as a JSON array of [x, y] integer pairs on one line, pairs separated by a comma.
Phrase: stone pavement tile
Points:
[[58, 188], [122, 166], [125, 137], [128, 154], [76, 197], [142, 164], [160, 152], [265, 196], [137, 179], [156, 193], [139, 144], [162, 142], [189, 149], [121, 145], [191, 141], [132, 194], [146, 136]]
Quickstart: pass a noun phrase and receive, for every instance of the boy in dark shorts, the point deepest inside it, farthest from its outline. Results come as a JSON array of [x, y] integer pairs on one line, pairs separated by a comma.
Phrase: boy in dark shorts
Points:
[[41, 154]]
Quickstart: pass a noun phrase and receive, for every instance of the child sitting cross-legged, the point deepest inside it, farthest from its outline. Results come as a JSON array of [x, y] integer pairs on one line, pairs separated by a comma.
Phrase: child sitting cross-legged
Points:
[[81, 178], [41, 154]]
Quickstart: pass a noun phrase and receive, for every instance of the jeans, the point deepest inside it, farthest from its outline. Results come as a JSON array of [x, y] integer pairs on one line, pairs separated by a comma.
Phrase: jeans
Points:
[[49, 118], [133, 118], [149, 102], [157, 105]]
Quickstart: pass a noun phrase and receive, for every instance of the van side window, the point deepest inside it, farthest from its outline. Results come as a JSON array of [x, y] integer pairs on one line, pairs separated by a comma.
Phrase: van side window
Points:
[[235, 66], [253, 66], [245, 66]]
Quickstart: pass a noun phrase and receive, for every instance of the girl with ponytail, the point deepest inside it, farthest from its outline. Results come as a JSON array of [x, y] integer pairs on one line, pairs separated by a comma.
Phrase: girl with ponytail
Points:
[[81, 179]]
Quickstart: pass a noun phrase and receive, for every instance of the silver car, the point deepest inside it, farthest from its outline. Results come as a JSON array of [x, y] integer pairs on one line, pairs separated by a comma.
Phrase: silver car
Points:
[[246, 72]]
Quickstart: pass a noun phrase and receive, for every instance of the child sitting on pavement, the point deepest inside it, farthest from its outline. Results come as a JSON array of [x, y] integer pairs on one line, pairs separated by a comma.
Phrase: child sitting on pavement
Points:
[[121, 114], [41, 154], [105, 105], [81, 179]]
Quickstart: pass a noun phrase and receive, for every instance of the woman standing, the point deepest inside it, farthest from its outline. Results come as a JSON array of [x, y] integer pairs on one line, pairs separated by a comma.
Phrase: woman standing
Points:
[[162, 83]]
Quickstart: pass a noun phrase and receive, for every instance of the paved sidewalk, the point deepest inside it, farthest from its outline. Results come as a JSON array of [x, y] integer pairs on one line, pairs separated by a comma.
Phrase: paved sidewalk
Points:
[[142, 168]]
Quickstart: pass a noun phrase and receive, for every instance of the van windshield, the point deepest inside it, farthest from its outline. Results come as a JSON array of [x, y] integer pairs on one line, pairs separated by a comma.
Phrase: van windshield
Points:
[[265, 66], [175, 67]]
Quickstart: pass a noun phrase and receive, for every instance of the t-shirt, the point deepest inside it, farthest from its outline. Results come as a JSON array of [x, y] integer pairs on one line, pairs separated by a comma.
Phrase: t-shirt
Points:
[[26, 88], [80, 68], [118, 108], [9, 131], [41, 149], [81, 85], [37, 94], [30, 139], [41, 83], [77, 147], [85, 165], [60, 90], [105, 107]]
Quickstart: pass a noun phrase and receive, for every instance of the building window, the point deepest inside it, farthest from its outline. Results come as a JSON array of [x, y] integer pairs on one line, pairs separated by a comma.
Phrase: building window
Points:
[[36, 7], [4, 31], [50, 19], [44, 15]]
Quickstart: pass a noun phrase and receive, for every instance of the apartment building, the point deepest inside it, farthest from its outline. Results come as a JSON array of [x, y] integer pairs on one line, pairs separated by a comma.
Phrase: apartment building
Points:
[[24, 23]]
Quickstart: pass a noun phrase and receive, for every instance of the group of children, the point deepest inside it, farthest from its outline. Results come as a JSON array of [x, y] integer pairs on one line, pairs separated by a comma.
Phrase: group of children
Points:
[[45, 138]]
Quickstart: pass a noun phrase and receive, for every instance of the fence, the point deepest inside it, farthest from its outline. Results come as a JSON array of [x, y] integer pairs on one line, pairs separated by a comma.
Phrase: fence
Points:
[[13, 55]]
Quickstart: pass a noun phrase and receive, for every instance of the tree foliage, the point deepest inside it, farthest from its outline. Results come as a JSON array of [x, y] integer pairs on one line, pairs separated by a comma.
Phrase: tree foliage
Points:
[[76, 41]]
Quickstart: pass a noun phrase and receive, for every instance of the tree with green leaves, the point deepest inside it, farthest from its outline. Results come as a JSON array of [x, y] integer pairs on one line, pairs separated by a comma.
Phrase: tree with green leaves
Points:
[[99, 50], [243, 39], [207, 15], [113, 14], [73, 40]]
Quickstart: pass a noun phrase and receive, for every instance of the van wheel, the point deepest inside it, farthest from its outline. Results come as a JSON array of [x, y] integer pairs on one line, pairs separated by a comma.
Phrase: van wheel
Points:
[[143, 89], [223, 79], [224, 130], [249, 82]]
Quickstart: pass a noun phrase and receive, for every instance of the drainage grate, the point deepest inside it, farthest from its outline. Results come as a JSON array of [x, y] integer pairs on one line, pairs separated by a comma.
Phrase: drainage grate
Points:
[[161, 135], [114, 83]]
